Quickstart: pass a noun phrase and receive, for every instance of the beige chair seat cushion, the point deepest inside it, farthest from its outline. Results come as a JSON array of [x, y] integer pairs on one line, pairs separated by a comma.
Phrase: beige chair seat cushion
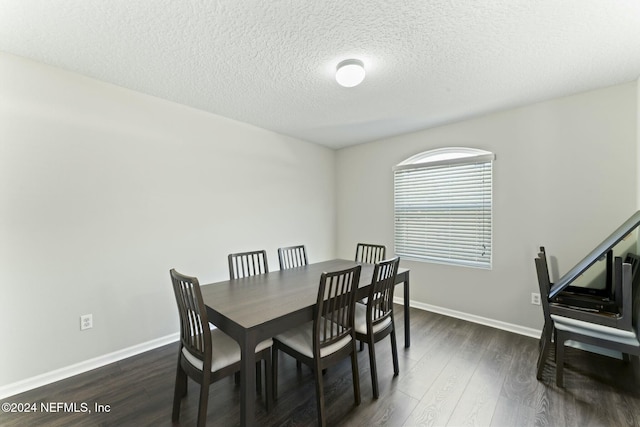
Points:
[[225, 351], [300, 339], [594, 330], [361, 320]]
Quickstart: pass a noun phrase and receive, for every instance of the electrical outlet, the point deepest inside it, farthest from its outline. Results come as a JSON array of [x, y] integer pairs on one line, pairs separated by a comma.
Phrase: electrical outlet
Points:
[[535, 298], [86, 321]]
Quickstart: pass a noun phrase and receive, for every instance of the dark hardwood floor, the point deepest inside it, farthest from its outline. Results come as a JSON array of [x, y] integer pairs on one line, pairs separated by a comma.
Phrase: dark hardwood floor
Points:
[[455, 374]]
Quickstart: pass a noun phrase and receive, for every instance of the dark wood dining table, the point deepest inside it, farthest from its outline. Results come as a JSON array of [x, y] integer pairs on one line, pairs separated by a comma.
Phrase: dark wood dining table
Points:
[[256, 308]]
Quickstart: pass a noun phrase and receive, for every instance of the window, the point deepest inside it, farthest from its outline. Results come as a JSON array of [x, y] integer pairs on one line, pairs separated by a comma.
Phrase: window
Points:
[[443, 205]]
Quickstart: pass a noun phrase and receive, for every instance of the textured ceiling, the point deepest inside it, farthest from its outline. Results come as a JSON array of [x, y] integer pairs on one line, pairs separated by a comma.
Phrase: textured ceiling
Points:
[[271, 63]]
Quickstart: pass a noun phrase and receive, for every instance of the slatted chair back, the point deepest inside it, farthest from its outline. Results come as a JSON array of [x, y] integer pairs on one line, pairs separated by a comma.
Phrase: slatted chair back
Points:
[[370, 253], [546, 337], [195, 334], [292, 256], [544, 284], [380, 300], [335, 308], [244, 264]]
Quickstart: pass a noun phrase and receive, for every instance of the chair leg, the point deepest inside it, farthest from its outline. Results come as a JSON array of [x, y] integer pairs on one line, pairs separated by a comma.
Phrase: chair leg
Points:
[[317, 372], [373, 368], [544, 349], [268, 378], [560, 339], [202, 405], [274, 371], [356, 375], [394, 352], [542, 358], [545, 336], [180, 391]]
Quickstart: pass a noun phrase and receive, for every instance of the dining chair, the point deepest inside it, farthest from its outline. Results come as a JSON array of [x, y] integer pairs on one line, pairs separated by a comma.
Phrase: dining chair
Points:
[[206, 355], [559, 329], [329, 338], [374, 320], [244, 264], [547, 338], [370, 253], [292, 256], [625, 341]]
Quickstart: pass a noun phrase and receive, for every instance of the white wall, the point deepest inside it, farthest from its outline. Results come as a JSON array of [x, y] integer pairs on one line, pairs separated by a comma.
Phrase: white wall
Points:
[[103, 190], [565, 178]]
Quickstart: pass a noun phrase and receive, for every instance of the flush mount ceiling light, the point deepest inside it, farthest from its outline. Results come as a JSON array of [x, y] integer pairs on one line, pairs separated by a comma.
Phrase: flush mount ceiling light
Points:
[[350, 72]]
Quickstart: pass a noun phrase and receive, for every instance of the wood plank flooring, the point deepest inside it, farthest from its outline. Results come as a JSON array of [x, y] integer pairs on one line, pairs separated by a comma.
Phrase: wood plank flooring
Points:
[[455, 374]]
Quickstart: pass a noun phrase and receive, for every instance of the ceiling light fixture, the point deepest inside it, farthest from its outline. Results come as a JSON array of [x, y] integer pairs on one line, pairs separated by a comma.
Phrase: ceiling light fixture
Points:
[[350, 72]]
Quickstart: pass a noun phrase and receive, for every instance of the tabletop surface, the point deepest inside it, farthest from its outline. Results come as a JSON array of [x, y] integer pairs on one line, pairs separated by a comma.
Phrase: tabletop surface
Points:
[[253, 300]]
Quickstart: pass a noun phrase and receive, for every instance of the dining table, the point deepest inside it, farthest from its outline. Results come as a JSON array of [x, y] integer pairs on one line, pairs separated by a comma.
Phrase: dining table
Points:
[[254, 308]]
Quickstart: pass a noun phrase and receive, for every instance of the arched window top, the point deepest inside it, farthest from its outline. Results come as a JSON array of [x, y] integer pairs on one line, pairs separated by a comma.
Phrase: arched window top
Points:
[[448, 155]]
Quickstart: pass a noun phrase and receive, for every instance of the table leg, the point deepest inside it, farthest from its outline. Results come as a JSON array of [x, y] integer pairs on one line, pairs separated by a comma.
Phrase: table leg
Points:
[[248, 382], [407, 331]]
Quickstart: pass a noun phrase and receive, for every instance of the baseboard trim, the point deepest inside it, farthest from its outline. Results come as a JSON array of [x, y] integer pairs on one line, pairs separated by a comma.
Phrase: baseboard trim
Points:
[[87, 365], [510, 327]]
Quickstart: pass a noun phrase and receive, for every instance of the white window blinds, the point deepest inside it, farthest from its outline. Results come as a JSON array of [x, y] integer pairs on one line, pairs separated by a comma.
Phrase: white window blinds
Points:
[[443, 208]]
